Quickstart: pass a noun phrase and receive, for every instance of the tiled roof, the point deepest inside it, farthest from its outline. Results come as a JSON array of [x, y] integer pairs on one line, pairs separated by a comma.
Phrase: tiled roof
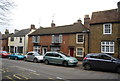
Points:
[[21, 33], [106, 16], [60, 29]]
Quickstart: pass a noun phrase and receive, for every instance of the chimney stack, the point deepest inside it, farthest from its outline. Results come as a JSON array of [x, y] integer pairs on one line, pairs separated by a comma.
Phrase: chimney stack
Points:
[[6, 31], [15, 31], [32, 26], [86, 21], [118, 4], [52, 24]]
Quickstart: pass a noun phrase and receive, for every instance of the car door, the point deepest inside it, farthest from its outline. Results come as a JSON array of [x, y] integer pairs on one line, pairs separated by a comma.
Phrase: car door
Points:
[[58, 59], [106, 62], [30, 56]]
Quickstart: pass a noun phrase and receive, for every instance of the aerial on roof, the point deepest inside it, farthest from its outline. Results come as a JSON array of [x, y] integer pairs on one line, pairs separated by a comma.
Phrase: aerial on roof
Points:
[[106, 16], [74, 28]]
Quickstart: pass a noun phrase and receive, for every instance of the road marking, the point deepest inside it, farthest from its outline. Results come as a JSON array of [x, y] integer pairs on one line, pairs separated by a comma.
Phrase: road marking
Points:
[[50, 78], [10, 78], [17, 77], [35, 73], [23, 76]]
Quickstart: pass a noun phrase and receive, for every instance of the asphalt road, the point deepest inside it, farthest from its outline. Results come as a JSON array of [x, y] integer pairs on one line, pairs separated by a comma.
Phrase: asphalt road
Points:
[[14, 70]]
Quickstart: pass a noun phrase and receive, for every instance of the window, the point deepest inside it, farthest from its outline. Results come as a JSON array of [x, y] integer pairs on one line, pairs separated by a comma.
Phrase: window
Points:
[[79, 52], [79, 38], [107, 28], [36, 48], [107, 47], [105, 57], [95, 56], [20, 40], [20, 49], [56, 38], [36, 39]]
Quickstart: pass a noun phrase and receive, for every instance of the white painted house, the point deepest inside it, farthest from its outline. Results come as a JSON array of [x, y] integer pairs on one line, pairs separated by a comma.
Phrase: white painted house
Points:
[[18, 42]]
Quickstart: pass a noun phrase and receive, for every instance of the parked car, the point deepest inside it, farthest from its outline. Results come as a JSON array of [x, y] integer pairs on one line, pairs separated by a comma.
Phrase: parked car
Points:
[[16, 56], [101, 61], [59, 58], [4, 53], [34, 56]]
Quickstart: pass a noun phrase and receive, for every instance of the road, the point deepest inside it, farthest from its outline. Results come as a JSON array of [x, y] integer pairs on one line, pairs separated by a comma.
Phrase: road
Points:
[[14, 70]]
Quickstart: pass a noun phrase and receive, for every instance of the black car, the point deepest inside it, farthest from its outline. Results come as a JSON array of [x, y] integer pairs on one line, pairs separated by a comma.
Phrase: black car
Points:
[[101, 61]]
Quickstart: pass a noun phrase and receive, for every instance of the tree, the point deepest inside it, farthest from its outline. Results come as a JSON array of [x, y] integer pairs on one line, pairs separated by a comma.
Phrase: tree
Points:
[[5, 7]]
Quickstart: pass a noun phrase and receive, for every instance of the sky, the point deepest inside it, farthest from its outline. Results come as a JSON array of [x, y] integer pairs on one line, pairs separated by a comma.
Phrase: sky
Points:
[[63, 12]]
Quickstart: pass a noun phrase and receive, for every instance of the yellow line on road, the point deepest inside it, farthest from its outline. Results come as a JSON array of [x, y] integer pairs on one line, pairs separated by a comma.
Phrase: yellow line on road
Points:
[[10, 78], [23, 76], [17, 77]]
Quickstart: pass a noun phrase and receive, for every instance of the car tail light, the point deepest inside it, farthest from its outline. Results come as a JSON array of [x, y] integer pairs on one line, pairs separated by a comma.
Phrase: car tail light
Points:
[[85, 58]]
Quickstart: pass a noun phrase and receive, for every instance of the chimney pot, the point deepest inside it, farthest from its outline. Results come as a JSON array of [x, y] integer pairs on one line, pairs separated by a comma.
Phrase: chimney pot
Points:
[[32, 26]]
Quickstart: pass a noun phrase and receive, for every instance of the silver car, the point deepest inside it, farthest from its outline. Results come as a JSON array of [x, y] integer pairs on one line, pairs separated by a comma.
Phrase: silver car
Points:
[[33, 56]]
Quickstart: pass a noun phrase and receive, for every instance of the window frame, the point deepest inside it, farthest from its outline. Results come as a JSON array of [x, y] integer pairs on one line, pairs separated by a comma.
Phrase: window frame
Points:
[[36, 48], [82, 52], [106, 46], [77, 35], [57, 38], [34, 39], [104, 28]]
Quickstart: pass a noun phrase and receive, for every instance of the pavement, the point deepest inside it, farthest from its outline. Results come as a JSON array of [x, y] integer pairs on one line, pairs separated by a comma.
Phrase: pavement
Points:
[[79, 62]]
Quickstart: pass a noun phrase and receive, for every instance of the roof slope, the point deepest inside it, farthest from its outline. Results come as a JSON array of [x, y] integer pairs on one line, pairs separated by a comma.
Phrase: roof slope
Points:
[[5, 36], [21, 33], [105, 16], [60, 29]]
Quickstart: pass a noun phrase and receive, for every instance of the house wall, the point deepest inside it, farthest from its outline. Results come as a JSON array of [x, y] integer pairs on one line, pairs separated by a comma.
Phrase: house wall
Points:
[[68, 41], [96, 36]]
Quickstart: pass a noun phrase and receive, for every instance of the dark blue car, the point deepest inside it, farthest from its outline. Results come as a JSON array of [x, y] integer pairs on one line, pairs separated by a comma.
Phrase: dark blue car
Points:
[[101, 61], [16, 56]]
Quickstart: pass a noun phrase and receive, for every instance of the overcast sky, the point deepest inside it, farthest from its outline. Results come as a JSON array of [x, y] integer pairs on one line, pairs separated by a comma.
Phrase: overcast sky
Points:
[[65, 12]]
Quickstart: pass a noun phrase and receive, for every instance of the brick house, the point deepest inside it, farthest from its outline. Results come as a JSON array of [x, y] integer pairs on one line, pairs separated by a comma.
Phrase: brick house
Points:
[[4, 40], [18, 42], [70, 39], [105, 32]]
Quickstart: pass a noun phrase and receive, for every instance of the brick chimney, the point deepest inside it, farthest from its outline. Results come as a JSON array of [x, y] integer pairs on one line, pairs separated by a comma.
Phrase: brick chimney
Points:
[[32, 27], [118, 4], [15, 31], [6, 31], [86, 21], [52, 24]]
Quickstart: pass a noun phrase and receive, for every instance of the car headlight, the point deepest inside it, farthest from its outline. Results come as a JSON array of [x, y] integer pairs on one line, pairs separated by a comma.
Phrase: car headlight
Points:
[[71, 61]]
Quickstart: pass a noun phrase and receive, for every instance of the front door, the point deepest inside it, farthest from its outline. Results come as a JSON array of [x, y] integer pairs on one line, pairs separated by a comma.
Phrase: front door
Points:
[[44, 50], [72, 52]]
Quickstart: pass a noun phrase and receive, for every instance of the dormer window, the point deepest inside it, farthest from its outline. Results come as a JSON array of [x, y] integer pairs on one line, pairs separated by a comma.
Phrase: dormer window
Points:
[[107, 28], [36, 39]]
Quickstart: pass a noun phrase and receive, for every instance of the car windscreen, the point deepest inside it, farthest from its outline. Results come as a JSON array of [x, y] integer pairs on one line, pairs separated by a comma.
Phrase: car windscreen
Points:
[[37, 54], [65, 55], [4, 52]]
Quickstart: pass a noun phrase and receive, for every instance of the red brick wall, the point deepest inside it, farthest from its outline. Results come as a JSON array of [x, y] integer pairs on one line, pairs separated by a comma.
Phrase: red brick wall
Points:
[[30, 44]]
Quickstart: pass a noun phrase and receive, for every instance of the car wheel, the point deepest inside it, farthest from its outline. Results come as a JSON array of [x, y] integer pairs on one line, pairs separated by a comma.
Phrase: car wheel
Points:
[[35, 60], [16, 58], [25, 59], [87, 67], [9, 57], [118, 70], [65, 63], [46, 62]]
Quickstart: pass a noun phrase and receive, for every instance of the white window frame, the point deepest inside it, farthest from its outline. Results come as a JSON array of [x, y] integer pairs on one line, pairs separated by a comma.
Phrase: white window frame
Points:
[[36, 41], [57, 41], [36, 48], [106, 47], [77, 39], [82, 52], [104, 28]]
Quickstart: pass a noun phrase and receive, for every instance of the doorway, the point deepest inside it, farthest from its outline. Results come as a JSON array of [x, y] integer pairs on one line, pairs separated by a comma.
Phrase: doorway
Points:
[[72, 52]]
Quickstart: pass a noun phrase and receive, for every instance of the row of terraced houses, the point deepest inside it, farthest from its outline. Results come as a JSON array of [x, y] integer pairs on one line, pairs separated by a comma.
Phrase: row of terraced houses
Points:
[[100, 34]]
